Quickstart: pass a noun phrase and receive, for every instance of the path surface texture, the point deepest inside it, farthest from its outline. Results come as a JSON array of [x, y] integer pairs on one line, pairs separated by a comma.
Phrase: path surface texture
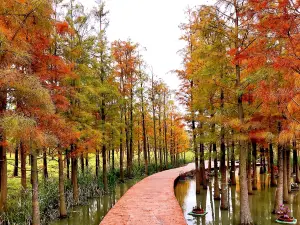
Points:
[[151, 201]]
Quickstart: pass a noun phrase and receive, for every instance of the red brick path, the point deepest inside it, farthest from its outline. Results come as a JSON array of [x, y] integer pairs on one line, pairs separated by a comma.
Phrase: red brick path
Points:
[[149, 202]]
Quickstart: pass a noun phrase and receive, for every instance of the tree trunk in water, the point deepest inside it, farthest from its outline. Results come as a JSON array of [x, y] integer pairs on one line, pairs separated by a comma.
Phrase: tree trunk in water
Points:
[[127, 145], [216, 183], [245, 214], [196, 157], [104, 168], [227, 156], [121, 158], [279, 189], [75, 180], [209, 159], [202, 166], [261, 161], [35, 190], [23, 165], [273, 180], [288, 161], [254, 157], [232, 169], [62, 199], [245, 209], [16, 167], [224, 197], [285, 177], [45, 165], [249, 167], [296, 162]]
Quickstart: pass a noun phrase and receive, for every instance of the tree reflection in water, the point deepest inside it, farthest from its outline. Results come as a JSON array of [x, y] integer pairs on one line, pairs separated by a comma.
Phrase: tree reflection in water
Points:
[[96, 208], [261, 203]]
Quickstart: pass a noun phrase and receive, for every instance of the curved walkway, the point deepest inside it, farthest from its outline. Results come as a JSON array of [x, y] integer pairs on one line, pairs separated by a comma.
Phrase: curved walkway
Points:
[[150, 202]]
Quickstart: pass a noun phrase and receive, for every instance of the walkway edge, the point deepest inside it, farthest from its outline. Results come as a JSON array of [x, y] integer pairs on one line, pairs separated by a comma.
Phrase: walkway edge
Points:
[[151, 201]]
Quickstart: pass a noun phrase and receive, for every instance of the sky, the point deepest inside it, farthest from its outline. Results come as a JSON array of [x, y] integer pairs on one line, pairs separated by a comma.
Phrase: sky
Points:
[[154, 24]]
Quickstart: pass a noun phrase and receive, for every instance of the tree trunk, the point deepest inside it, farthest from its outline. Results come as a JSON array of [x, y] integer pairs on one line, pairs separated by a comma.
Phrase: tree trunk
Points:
[[232, 169], [148, 149], [45, 165], [249, 167], [62, 199], [68, 164], [104, 169], [144, 133], [154, 123], [196, 158], [285, 177], [261, 161], [202, 166], [288, 161], [139, 152], [273, 180], [254, 157], [3, 162], [209, 159], [3, 176], [245, 209], [296, 162], [165, 132], [245, 214], [131, 130], [16, 167], [82, 163], [121, 156], [216, 178], [75, 180], [87, 160], [35, 190], [227, 156], [113, 158], [224, 197], [23, 166], [160, 137], [128, 171], [97, 163], [279, 189], [108, 158]]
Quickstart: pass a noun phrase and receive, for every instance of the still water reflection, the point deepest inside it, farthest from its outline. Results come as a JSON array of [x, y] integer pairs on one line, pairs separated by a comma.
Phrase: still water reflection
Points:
[[261, 203], [96, 209]]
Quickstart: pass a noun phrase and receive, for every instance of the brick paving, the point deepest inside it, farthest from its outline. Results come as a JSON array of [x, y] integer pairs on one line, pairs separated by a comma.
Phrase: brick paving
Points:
[[150, 202]]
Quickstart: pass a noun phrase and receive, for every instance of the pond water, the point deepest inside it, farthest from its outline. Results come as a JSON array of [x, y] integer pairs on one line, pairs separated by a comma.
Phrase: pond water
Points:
[[93, 212], [261, 203]]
